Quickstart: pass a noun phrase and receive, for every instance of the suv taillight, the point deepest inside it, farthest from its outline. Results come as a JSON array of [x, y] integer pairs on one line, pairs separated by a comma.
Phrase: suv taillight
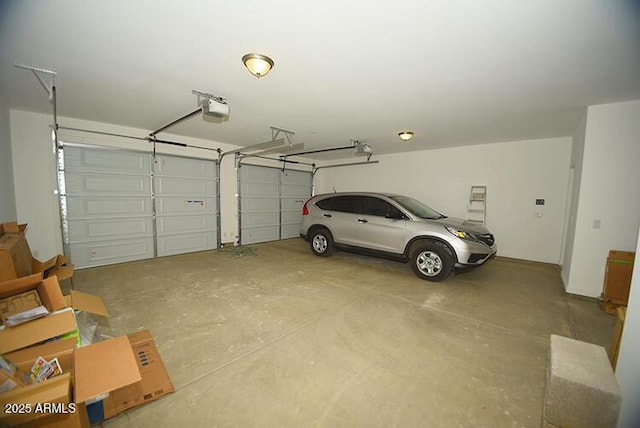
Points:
[[305, 210]]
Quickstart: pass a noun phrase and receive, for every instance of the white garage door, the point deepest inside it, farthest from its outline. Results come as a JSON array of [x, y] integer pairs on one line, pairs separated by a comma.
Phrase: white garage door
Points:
[[271, 202], [186, 205], [108, 205]]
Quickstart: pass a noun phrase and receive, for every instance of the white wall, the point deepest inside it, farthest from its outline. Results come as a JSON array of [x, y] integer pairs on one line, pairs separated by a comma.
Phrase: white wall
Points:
[[7, 195], [608, 193], [577, 152], [515, 173], [35, 172], [628, 367]]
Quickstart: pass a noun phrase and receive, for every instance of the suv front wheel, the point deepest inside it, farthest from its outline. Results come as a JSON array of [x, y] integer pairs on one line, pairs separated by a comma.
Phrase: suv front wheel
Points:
[[431, 260], [321, 242]]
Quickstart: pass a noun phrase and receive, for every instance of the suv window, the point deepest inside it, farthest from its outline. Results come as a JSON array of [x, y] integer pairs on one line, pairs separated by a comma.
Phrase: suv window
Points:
[[378, 207], [347, 204]]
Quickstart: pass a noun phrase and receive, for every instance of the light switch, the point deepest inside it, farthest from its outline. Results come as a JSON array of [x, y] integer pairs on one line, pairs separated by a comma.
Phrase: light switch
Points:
[[596, 223]]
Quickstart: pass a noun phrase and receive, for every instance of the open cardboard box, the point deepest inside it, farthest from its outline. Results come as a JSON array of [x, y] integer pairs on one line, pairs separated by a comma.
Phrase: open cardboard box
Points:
[[95, 370], [129, 368], [16, 260], [92, 370]]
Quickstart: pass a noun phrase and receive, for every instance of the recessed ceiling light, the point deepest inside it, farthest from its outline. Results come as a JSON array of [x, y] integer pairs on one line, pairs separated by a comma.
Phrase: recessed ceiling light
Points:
[[405, 135], [257, 64]]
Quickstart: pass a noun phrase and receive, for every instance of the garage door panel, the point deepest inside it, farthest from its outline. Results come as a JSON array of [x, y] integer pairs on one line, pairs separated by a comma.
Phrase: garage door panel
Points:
[[182, 186], [184, 167], [259, 204], [260, 219], [110, 203], [295, 177], [186, 243], [295, 191], [254, 235], [99, 230], [290, 217], [262, 190], [290, 230], [106, 206], [108, 252], [271, 202], [172, 205], [257, 174], [92, 183], [293, 204], [88, 159], [181, 224]]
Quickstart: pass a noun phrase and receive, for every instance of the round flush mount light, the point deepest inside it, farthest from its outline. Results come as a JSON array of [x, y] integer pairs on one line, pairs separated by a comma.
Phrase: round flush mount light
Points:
[[257, 64], [405, 135]]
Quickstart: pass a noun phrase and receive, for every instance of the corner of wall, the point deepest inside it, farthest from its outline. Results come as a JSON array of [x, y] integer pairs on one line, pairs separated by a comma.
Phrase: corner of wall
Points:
[[7, 189]]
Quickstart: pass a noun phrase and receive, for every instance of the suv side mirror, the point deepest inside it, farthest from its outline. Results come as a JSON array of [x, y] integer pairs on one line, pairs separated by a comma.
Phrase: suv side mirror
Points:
[[397, 215]]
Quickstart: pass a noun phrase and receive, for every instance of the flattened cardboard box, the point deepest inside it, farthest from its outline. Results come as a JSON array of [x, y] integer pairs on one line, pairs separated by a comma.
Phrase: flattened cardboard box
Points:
[[155, 381]]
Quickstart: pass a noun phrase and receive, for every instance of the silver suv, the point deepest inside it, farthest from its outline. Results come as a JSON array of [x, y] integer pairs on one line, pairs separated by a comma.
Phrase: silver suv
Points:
[[396, 227]]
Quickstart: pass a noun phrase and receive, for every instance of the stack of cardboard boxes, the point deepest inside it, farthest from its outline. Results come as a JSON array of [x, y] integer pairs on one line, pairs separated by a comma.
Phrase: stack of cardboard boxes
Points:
[[92, 382]]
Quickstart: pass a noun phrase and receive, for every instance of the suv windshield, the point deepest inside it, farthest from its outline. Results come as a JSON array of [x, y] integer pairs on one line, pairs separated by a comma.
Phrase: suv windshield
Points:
[[417, 208]]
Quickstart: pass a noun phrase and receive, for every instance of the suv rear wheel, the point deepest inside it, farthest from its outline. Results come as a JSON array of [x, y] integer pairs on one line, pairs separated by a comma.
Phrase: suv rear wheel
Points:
[[321, 242], [431, 260]]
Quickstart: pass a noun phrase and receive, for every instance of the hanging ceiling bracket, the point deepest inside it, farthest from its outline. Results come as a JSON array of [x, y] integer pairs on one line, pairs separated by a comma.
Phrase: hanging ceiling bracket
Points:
[[288, 135], [37, 71]]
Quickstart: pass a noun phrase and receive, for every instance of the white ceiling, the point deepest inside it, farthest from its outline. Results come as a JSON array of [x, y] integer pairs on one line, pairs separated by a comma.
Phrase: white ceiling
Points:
[[456, 72]]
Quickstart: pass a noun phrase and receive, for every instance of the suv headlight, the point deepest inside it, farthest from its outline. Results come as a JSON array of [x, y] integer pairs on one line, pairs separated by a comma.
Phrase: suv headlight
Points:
[[462, 234]]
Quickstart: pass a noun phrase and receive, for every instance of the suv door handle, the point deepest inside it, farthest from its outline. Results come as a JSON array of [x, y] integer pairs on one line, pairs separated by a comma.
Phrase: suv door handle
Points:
[[327, 215], [362, 220]]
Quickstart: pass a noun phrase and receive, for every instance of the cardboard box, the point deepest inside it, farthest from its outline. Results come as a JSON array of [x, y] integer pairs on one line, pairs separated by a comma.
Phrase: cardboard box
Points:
[[54, 390], [56, 266], [617, 277], [96, 369], [15, 254], [61, 349], [48, 293], [58, 323], [155, 381], [104, 367], [78, 419], [19, 303], [16, 260]]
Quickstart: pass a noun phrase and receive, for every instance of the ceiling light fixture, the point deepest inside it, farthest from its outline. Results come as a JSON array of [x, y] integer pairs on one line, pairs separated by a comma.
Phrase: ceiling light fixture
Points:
[[257, 64], [405, 135]]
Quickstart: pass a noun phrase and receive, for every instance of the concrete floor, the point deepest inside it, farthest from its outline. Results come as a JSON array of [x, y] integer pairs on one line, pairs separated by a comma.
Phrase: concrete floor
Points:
[[284, 338]]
